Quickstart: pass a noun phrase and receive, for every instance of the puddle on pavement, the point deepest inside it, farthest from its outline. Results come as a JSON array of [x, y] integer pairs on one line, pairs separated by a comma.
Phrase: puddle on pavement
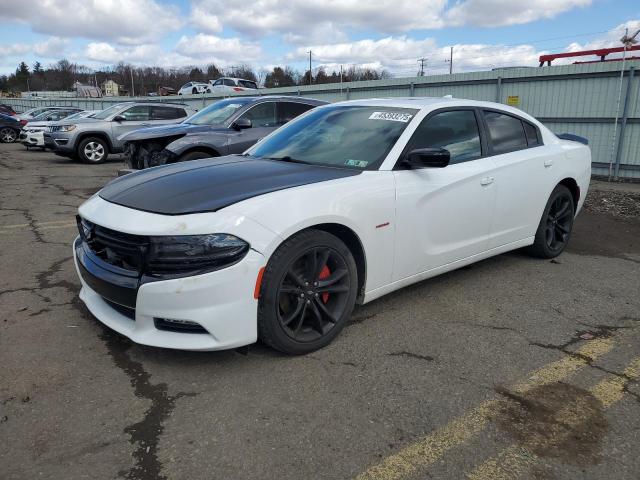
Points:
[[557, 421]]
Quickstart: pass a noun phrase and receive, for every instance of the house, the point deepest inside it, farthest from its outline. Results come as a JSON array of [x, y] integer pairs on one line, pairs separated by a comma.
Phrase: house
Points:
[[111, 88]]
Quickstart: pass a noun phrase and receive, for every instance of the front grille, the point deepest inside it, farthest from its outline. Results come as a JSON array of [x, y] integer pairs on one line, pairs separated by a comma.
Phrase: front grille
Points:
[[54, 128], [122, 250]]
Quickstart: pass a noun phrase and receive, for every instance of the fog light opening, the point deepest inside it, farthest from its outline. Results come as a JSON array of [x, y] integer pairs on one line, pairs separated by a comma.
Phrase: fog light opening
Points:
[[174, 325]]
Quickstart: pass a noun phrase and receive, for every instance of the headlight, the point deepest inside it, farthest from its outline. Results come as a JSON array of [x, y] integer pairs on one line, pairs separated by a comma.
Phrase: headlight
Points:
[[67, 128], [193, 253]]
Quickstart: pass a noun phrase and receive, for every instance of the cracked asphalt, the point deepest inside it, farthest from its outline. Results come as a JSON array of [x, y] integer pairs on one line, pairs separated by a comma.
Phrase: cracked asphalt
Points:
[[510, 368]]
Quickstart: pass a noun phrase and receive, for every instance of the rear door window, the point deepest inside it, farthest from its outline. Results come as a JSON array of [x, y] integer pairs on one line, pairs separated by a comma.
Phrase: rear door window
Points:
[[506, 133], [166, 113], [229, 83], [287, 111], [139, 113], [262, 115]]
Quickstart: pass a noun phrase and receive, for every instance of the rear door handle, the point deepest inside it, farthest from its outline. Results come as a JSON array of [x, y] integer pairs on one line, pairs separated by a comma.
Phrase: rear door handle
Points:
[[486, 181], [548, 163]]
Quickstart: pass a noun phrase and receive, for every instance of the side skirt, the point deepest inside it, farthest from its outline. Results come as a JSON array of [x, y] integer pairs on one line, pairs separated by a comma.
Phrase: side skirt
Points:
[[391, 287]]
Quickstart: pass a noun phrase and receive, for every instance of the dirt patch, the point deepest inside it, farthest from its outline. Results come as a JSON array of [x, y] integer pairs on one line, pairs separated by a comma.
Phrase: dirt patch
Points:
[[558, 421], [621, 204], [605, 235]]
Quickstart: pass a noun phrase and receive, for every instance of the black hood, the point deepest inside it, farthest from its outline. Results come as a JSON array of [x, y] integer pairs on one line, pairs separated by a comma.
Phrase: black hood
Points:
[[170, 130], [211, 184]]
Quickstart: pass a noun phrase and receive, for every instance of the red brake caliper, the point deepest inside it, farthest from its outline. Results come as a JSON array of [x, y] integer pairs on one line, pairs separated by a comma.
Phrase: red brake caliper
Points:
[[324, 273]]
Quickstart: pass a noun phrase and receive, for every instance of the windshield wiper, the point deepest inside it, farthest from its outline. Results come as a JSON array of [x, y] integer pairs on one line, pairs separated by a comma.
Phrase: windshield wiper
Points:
[[287, 158]]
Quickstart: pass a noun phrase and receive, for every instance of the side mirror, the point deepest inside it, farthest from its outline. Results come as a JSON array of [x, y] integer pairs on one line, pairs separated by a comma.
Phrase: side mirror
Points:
[[241, 124], [119, 118], [427, 158]]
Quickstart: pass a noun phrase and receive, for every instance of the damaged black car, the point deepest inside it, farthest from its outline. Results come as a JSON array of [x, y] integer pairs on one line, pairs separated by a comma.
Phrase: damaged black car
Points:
[[226, 127]]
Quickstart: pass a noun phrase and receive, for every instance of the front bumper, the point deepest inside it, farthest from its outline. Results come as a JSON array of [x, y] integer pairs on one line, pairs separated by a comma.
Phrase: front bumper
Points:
[[57, 142], [221, 302], [35, 139]]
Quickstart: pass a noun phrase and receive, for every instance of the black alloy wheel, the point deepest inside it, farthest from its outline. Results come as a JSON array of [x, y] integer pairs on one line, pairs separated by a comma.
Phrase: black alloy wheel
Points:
[[554, 230], [308, 292], [8, 135], [313, 294], [559, 222]]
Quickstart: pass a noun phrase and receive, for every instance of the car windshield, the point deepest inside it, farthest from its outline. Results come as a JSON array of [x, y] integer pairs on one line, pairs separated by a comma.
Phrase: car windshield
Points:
[[217, 113], [339, 136], [107, 112]]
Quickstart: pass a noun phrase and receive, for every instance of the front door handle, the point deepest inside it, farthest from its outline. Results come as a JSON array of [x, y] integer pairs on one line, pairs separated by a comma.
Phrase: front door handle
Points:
[[486, 181], [548, 163]]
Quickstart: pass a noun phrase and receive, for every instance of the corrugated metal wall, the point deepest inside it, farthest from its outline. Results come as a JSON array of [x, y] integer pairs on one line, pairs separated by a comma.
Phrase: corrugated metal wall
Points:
[[580, 99]]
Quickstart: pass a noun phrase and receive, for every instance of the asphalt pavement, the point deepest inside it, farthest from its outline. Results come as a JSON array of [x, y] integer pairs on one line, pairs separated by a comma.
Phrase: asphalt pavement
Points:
[[511, 368]]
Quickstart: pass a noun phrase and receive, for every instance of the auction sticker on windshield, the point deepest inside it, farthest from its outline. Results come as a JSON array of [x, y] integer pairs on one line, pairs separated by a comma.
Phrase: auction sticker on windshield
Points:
[[392, 116]]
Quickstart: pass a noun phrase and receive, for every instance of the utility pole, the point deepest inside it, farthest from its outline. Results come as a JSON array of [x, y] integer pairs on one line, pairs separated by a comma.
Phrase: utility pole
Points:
[[422, 62], [451, 61], [133, 92], [310, 76], [340, 80]]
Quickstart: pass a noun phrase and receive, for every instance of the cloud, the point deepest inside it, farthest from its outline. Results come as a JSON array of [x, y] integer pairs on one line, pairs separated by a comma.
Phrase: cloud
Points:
[[399, 55], [325, 21], [496, 13], [52, 47], [197, 50], [223, 50], [129, 22]]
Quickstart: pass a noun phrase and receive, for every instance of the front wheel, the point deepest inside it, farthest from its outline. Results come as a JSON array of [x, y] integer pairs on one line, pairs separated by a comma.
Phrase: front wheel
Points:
[[554, 229], [8, 135], [308, 292], [93, 150]]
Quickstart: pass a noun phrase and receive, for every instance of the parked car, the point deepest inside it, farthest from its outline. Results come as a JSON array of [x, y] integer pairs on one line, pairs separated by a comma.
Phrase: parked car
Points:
[[192, 88], [92, 139], [34, 112], [225, 127], [345, 204], [9, 128], [229, 84], [32, 134], [7, 110]]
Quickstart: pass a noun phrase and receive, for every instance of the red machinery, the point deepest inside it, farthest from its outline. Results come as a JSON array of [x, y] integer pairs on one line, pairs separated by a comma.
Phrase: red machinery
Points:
[[601, 52]]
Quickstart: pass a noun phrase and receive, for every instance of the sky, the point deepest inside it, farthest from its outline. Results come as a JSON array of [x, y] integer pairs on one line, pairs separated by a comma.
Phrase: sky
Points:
[[384, 34]]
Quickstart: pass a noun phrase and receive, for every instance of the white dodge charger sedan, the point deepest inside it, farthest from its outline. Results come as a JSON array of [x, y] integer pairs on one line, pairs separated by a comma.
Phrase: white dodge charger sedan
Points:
[[344, 204]]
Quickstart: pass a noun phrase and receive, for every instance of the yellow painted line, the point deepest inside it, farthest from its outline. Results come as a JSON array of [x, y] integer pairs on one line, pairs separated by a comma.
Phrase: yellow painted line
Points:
[[39, 226], [430, 448], [513, 461], [23, 225]]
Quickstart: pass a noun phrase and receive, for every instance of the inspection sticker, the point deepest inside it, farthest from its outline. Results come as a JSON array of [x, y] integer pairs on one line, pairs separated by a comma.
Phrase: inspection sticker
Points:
[[392, 116], [356, 163]]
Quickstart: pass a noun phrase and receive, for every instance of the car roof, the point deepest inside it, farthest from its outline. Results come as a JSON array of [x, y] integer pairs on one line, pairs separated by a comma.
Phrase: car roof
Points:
[[430, 103], [291, 98]]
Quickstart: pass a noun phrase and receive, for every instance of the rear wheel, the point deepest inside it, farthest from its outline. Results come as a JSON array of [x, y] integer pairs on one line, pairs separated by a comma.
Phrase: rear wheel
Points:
[[308, 292], [8, 135], [194, 91], [93, 150], [555, 225]]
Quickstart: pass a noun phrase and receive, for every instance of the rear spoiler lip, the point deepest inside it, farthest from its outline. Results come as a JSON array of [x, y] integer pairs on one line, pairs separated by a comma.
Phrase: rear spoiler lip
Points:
[[573, 138]]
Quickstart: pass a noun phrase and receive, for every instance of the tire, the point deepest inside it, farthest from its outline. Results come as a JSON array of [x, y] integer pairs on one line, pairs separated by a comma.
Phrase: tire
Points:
[[195, 156], [93, 150], [8, 135], [554, 229], [307, 294], [194, 91]]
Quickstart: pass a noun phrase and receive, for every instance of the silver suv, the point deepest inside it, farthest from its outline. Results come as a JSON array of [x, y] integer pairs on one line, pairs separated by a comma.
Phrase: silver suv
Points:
[[93, 139]]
